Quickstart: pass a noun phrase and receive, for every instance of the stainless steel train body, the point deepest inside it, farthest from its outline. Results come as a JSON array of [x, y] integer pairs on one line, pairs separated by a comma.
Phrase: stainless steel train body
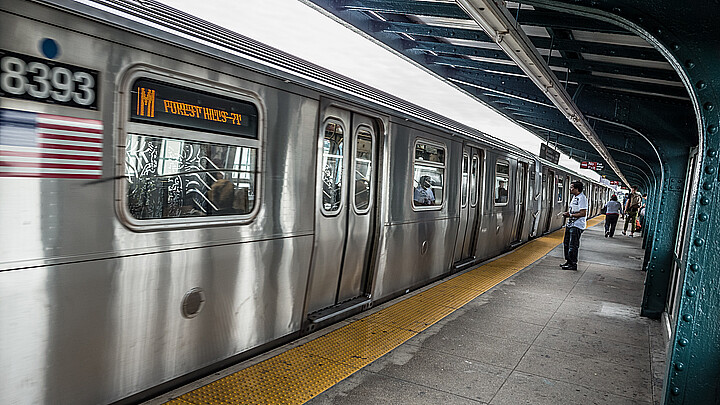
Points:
[[221, 205]]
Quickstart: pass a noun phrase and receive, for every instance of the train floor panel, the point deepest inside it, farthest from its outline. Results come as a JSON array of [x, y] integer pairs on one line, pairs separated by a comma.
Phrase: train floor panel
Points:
[[514, 330]]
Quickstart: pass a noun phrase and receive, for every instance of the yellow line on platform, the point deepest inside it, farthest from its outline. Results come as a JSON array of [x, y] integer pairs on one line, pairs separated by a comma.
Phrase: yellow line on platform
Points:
[[301, 373]]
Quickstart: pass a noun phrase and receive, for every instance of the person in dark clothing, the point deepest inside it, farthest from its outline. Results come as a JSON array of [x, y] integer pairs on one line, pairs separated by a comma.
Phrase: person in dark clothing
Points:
[[576, 215], [613, 211]]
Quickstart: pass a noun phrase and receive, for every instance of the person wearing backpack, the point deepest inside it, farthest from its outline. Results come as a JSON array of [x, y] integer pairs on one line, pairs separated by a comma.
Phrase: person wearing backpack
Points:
[[632, 207]]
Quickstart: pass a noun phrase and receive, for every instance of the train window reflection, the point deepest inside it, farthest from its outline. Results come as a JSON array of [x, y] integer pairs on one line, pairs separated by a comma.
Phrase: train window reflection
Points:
[[428, 175], [560, 189], [174, 178], [474, 181], [502, 176], [333, 167], [430, 153], [464, 183], [363, 169]]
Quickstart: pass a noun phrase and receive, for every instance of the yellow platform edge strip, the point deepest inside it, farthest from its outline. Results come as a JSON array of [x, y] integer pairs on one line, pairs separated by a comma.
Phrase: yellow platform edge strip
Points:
[[303, 372]]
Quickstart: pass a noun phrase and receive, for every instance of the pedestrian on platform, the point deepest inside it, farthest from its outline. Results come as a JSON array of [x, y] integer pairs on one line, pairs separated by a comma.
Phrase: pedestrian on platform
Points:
[[575, 226], [632, 207], [613, 210]]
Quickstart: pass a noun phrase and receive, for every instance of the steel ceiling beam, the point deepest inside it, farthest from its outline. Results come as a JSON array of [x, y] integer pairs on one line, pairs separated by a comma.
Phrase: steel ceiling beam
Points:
[[541, 18], [556, 44], [498, 24], [619, 83], [598, 48]]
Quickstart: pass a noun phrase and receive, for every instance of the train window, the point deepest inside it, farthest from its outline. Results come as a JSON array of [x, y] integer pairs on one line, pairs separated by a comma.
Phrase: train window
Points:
[[560, 189], [502, 175], [474, 181], [464, 183], [333, 164], [363, 169], [189, 153], [177, 178], [428, 175]]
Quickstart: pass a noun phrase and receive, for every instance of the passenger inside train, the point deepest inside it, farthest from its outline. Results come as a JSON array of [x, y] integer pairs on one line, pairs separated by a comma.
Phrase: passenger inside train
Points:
[[423, 194], [501, 194]]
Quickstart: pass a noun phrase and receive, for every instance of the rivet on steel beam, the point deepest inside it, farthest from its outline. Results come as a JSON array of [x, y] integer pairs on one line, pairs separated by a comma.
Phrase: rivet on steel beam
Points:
[[710, 170], [699, 242], [707, 185], [704, 201], [694, 267], [702, 217], [675, 391], [711, 130], [687, 317], [679, 366], [689, 64], [712, 152], [700, 85], [709, 106], [690, 293], [683, 342]]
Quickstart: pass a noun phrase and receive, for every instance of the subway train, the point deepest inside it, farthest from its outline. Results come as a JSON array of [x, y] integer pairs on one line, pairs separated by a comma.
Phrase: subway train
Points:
[[177, 197]]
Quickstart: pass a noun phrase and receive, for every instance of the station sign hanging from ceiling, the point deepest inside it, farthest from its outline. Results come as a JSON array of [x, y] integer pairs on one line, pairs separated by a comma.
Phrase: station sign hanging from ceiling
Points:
[[549, 154], [592, 165]]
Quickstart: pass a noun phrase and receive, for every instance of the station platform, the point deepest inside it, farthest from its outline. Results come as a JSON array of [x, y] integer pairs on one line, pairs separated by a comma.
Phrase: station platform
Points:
[[514, 330]]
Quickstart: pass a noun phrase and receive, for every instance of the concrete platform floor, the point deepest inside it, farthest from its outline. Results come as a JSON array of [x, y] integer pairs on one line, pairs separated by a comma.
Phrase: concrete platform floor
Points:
[[544, 336]]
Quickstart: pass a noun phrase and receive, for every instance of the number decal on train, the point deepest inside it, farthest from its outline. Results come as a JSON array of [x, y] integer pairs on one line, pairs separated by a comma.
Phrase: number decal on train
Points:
[[30, 78]]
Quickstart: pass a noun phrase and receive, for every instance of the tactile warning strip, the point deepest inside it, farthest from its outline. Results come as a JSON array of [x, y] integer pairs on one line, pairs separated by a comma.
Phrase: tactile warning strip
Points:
[[303, 372]]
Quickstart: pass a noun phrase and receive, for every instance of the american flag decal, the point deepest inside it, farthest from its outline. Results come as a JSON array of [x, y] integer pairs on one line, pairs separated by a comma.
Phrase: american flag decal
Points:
[[49, 146]]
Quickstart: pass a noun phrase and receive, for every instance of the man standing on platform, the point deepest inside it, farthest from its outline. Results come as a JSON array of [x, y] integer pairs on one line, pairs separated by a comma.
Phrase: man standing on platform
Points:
[[632, 207], [575, 225]]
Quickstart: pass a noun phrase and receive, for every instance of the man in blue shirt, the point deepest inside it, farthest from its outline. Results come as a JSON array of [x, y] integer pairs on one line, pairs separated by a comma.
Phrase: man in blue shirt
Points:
[[575, 225]]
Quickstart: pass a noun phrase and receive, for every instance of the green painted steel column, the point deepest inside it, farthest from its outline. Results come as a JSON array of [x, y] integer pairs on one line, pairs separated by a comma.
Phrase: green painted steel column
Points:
[[693, 368], [661, 249], [651, 216], [694, 358]]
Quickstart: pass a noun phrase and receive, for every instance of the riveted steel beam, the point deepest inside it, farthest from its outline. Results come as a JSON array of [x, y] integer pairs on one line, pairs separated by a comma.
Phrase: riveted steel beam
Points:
[[557, 44], [444, 47], [598, 48]]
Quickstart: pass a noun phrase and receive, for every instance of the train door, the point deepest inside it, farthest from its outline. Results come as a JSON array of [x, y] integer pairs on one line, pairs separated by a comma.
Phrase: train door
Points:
[[470, 205], [345, 202], [549, 196], [521, 195], [565, 193]]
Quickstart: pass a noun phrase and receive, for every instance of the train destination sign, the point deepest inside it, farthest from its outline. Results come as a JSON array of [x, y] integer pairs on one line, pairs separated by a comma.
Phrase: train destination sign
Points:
[[159, 103], [548, 153]]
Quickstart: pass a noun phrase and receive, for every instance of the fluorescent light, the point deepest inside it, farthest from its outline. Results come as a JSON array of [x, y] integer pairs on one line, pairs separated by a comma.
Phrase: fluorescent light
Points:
[[497, 22]]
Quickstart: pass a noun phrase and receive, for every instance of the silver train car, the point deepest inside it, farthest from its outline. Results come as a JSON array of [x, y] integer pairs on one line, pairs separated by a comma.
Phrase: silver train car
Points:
[[176, 197]]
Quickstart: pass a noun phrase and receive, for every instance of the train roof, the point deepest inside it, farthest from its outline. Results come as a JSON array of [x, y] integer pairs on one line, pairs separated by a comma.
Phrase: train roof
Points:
[[157, 20]]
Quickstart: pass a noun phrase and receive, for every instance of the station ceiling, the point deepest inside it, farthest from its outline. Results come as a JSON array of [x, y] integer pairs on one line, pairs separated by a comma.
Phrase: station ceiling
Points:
[[614, 72]]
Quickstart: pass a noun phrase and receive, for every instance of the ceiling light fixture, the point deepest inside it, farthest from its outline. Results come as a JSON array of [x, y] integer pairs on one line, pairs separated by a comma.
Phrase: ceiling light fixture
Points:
[[497, 22]]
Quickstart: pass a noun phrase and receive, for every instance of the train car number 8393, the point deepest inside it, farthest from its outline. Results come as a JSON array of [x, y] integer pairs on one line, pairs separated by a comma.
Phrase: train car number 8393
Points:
[[29, 78]]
